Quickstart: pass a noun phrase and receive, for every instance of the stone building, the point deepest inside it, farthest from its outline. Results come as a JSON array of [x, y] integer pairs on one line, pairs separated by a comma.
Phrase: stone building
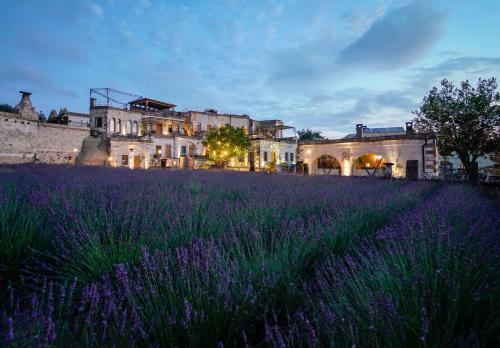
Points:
[[24, 137], [373, 152], [145, 132]]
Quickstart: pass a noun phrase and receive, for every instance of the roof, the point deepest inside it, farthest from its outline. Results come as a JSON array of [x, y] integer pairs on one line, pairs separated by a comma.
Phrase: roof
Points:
[[148, 103], [71, 113], [370, 132], [381, 137]]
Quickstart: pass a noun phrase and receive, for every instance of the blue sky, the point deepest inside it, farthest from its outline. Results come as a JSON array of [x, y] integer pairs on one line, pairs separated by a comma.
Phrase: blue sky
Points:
[[318, 64]]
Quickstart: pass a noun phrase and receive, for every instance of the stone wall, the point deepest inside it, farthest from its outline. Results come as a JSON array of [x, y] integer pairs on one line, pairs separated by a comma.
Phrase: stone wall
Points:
[[22, 140], [397, 151]]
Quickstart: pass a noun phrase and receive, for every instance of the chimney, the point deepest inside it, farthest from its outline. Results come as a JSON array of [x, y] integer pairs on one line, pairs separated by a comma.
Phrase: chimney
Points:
[[359, 130], [25, 109], [92, 102], [409, 127]]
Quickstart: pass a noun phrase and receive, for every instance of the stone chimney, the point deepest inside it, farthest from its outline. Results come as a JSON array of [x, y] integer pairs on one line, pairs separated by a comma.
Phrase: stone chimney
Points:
[[359, 130], [25, 109], [409, 128], [92, 102]]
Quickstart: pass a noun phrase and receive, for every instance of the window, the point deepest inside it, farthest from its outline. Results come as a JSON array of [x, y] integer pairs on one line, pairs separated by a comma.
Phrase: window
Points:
[[124, 160], [170, 128], [168, 151], [291, 156], [118, 127], [158, 151], [128, 128], [191, 151], [183, 150], [149, 127], [98, 122], [134, 127], [112, 125], [264, 154], [286, 156]]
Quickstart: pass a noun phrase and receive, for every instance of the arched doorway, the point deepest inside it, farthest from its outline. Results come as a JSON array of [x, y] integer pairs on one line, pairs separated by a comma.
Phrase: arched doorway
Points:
[[369, 164], [327, 165], [274, 157]]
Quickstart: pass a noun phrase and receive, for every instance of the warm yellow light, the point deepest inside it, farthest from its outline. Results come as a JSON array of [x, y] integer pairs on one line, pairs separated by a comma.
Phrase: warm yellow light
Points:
[[308, 151], [110, 158], [378, 157], [75, 150], [225, 153]]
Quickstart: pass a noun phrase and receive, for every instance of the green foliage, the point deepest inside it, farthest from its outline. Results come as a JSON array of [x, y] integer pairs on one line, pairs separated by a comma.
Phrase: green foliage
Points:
[[465, 119], [6, 108], [22, 232], [226, 142], [308, 134]]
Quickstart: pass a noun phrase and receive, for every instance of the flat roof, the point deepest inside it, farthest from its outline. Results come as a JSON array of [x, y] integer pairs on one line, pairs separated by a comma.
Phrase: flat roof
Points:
[[417, 136], [152, 103]]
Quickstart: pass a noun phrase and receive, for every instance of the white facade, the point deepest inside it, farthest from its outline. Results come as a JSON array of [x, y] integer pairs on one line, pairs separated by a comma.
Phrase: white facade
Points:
[[401, 151]]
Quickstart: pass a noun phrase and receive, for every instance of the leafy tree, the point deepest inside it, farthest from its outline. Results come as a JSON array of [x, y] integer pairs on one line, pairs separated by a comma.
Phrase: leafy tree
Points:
[[226, 142], [308, 134], [465, 119], [6, 108]]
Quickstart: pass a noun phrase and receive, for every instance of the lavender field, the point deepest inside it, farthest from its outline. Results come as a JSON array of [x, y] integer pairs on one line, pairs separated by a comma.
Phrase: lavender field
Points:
[[101, 257]]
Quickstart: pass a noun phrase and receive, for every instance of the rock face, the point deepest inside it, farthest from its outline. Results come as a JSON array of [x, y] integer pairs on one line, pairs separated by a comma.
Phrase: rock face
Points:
[[25, 109], [95, 151]]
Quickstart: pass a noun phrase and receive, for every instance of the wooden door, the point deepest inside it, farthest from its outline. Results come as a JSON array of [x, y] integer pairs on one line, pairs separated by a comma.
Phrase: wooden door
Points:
[[191, 151], [159, 128], [137, 162], [168, 151], [412, 169]]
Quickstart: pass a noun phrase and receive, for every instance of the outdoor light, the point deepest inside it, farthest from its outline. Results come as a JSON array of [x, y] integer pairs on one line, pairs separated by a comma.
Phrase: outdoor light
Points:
[[75, 150], [378, 157], [110, 158], [308, 151]]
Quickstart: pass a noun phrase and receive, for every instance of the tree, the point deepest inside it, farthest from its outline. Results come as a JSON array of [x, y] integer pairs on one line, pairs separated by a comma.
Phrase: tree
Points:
[[308, 134], [466, 120], [225, 143], [6, 108]]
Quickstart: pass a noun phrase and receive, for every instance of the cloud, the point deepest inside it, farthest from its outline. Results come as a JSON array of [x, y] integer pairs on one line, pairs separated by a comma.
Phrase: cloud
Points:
[[46, 46], [33, 78], [454, 69], [398, 39], [96, 9]]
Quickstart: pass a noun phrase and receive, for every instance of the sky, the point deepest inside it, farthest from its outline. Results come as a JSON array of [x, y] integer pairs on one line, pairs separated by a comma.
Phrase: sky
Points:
[[324, 65]]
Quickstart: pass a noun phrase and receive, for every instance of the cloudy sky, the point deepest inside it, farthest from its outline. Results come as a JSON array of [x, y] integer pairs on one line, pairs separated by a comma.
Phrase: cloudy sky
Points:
[[318, 64]]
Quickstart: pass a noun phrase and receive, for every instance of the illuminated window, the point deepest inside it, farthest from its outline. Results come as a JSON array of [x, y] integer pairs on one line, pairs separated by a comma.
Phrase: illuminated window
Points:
[[124, 160]]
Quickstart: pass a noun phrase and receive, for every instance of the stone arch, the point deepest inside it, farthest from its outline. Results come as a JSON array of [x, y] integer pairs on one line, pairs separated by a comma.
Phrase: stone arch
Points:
[[327, 165], [134, 127], [368, 164], [118, 128]]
